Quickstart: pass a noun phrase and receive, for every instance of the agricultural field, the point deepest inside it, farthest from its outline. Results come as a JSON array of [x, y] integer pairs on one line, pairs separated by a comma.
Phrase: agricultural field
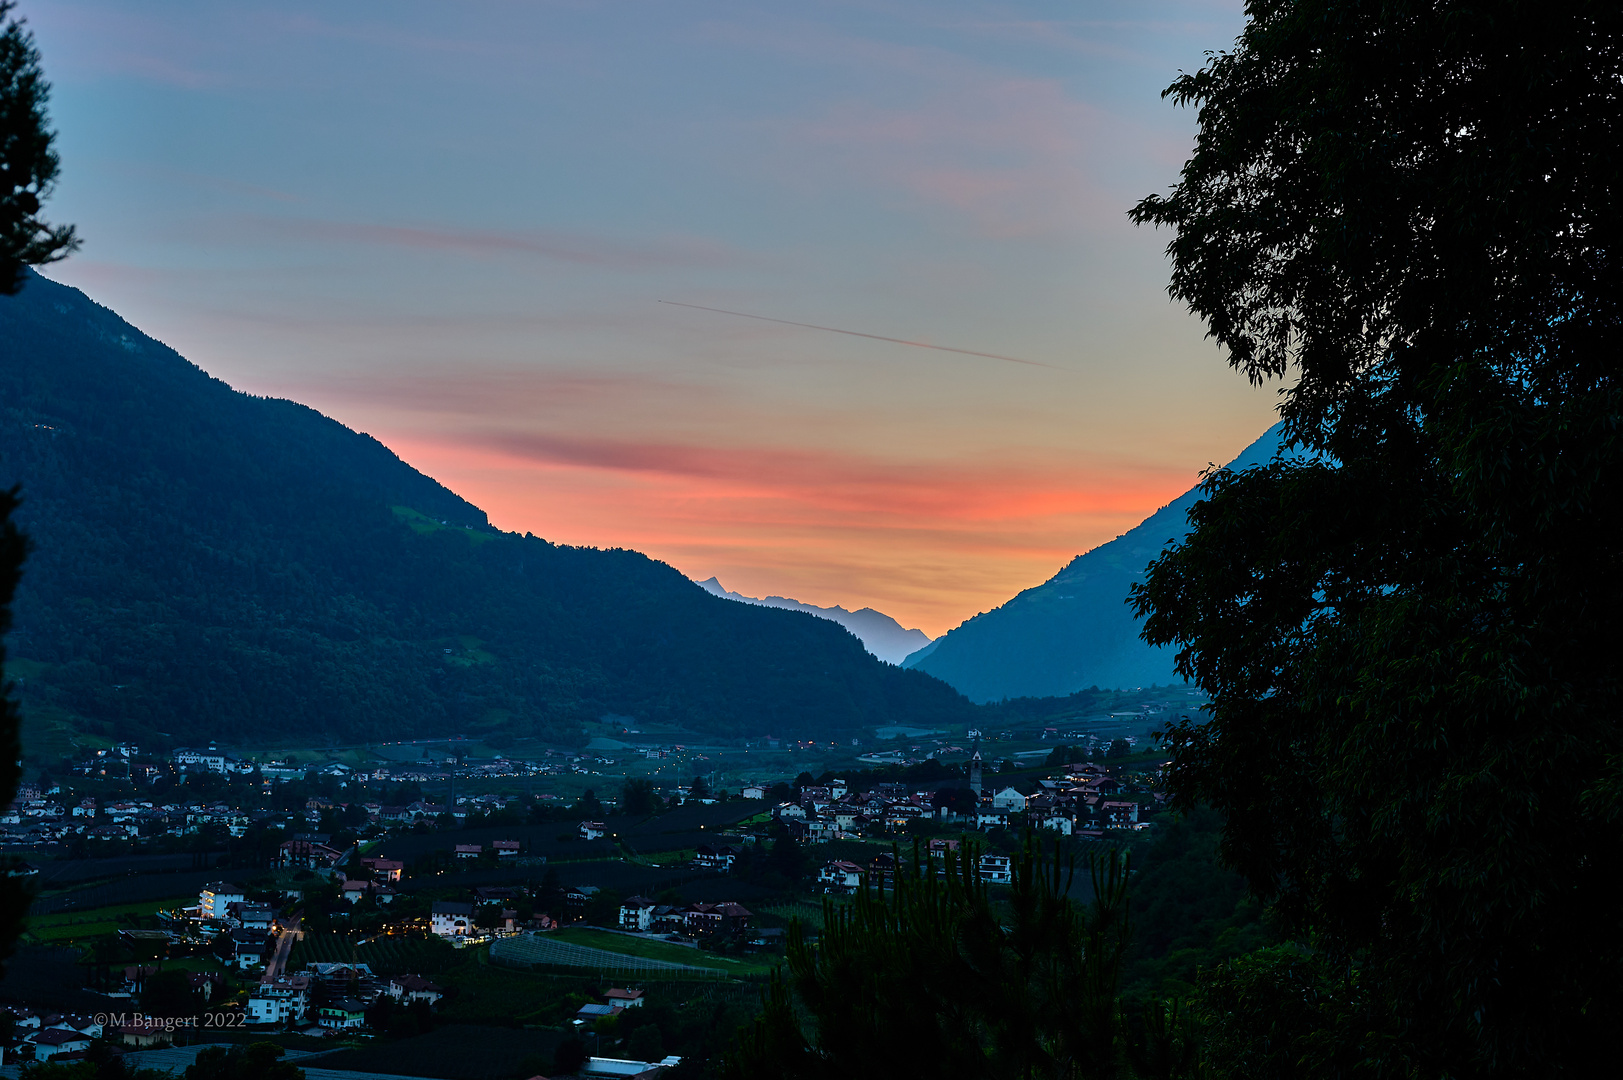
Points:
[[69, 927], [661, 951], [390, 955], [156, 889]]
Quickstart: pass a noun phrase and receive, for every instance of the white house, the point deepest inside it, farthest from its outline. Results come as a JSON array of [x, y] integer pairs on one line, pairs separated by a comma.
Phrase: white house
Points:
[[409, 988], [1060, 823], [56, 1040], [215, 898], [753, 791], [715, 858], [593, 830], [84, 1024], [1010, 800], [998, 869], [625, 999], [991, 819], [840, 876], [280, 1000], [451, 919], [637, 913], [193, 760], [343, 1013]]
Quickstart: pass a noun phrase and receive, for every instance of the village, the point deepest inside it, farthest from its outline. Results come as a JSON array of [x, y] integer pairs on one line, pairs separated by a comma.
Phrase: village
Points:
[[329, 916]]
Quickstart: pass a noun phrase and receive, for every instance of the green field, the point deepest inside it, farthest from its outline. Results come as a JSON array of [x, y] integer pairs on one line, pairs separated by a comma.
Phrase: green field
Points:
[[663, 951], [69, 926]]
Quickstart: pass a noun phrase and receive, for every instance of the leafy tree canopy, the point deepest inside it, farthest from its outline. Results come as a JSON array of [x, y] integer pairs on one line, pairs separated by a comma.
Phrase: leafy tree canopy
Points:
[[255, 1061], [637, 798], [1409, 211]]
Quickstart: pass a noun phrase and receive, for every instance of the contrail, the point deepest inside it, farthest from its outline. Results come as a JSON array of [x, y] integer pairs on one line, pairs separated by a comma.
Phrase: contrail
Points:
[[858, 333]]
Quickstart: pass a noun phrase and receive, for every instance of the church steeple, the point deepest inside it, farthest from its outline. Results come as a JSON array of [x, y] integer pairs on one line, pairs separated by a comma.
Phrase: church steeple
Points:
[[975, 768]]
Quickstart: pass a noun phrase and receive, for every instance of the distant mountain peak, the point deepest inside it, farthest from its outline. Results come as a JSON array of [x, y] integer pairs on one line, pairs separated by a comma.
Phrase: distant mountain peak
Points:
[[879, 633]]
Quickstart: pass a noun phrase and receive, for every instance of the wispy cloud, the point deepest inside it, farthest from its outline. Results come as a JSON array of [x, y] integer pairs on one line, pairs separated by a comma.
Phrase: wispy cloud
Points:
[[577, 248], [1014, 156], [880, 489]]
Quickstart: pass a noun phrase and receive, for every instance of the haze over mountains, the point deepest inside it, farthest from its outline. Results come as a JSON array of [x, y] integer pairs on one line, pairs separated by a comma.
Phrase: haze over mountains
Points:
[[880, 634], [1074, 630], [209, 564]]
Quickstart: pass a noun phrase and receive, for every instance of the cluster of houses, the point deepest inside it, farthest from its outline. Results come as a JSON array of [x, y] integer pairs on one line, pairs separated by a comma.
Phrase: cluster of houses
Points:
[[457, 921], [640, 915], [322, 997], [39, 818], [43, 1035], [842, 877], [1086, 801], [42, 818], [329, 996]]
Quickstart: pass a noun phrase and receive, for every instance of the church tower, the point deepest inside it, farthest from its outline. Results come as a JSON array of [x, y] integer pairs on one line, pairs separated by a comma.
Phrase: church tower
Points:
[[975, 769]]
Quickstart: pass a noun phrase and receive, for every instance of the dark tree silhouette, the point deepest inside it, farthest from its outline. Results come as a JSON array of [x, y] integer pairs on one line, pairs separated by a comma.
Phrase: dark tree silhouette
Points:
[[28, 165], [1410, 212], [28, 169], [255, 1061], [941, 978], [14, 892], [637, 798]]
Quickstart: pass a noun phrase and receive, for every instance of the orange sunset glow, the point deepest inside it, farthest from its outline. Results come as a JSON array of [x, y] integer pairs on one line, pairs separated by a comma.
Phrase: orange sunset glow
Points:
[[471, 269]]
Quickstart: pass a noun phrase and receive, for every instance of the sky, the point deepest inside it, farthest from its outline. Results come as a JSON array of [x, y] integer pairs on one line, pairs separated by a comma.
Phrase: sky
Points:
[[452, 225]]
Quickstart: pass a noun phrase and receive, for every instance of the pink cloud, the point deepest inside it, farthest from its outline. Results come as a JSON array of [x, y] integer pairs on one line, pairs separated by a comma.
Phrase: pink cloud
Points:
[[928, 543], [832, 482]]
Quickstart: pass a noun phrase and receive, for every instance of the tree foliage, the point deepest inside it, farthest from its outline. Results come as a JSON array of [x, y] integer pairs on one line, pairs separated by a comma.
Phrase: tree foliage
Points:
[[28, 170], [14, 894], [1406, 629], [254, 1061], [28, 165], [638, 798], [942, 978]]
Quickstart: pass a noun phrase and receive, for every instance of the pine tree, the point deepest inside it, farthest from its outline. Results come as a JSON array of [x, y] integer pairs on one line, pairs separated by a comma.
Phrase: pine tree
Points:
[[28, 165]]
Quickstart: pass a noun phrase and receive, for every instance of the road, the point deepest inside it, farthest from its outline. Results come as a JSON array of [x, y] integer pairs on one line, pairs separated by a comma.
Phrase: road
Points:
[[285, 936]]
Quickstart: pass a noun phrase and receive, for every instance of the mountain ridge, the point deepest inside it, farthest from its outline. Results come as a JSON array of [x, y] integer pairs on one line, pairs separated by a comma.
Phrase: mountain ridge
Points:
[[1075, 630], [880, 634], [210, 564]]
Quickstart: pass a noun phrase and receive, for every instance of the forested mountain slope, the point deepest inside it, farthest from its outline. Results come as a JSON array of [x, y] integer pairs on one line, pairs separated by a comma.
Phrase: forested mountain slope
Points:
[[211, 564], [1074, 630]]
